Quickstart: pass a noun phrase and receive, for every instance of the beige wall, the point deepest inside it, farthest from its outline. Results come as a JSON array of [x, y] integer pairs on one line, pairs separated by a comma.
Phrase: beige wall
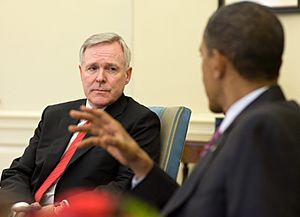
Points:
[[290, 76], [40, 42], [167, 65], [39, 57], [166, 40]]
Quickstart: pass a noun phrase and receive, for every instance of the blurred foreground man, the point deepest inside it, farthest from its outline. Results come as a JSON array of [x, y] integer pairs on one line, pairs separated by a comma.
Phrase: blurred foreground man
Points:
[[252, 169]]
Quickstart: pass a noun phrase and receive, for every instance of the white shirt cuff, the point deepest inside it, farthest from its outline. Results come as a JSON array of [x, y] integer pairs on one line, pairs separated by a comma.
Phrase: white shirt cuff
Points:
[[135, 181]]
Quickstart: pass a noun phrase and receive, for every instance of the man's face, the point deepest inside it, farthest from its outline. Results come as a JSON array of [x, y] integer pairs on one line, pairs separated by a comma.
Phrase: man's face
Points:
[[103, 73], [211, 84]]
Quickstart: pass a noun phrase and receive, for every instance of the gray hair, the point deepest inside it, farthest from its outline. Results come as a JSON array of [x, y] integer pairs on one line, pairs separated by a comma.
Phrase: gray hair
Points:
[[108, 37]]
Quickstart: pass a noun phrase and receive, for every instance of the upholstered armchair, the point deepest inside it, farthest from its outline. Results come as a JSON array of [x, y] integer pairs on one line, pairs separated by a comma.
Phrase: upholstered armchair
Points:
[[174, 125]]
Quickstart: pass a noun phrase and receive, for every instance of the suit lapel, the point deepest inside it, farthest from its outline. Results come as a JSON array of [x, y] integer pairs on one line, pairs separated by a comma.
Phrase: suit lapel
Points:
[[118, 107], [184, 193]]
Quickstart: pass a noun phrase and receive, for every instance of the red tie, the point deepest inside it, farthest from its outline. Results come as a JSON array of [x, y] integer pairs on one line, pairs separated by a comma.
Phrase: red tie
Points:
[[60, 167]]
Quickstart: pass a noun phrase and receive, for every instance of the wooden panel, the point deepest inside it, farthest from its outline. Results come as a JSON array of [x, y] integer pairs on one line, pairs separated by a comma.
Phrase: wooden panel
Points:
[[191, 154]]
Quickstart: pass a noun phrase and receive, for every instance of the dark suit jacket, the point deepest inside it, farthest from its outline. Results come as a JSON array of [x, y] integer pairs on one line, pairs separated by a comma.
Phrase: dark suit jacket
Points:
[[253, 172], [89, 167]]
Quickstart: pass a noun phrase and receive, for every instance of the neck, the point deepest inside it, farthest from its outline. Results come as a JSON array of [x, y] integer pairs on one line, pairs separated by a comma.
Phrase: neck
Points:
[[239, 89]]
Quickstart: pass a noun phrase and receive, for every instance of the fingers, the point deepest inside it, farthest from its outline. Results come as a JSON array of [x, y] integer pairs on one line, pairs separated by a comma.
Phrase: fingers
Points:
[[100, 122], [82, 128], [80, 115], [21, 208], [90, 142], [93, 115], [98, 116], [35, 206], [101, 141], [21, 214]]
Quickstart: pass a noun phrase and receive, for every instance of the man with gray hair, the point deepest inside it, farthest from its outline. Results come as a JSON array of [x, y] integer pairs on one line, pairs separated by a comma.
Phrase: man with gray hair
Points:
[[51, 165]]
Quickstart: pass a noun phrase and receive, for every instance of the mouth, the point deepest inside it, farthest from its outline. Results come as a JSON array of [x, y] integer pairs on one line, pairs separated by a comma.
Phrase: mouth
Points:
[[100, 90]]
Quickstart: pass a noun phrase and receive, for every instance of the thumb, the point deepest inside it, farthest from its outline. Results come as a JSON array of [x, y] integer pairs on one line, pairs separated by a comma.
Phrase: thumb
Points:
[[35, 206]]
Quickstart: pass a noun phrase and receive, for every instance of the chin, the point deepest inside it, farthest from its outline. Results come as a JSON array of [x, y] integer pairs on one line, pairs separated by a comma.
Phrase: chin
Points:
[[97, 104], [215, 109]]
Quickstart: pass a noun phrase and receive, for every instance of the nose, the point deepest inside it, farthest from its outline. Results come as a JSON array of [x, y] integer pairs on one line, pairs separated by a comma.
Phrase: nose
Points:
[[101, 76]]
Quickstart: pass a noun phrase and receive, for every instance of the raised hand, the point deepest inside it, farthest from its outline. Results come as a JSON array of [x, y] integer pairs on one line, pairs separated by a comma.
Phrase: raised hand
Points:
[[111, 136], [23, 210]]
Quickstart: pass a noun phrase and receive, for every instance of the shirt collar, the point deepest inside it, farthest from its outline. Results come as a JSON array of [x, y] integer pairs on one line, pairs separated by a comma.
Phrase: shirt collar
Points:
[[236, 108], [88, 105]]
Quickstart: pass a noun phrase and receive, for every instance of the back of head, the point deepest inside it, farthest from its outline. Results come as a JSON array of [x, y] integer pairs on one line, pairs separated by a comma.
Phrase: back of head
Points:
[[250, 36]]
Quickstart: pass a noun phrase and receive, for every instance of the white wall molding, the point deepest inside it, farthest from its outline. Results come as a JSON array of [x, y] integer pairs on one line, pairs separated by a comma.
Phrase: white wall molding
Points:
[[201, 126], [16, 128]]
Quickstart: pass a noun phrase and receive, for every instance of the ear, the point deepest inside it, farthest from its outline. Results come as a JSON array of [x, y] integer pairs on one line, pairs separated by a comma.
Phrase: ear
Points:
[[218, 63], [81, 71], [128, 75]]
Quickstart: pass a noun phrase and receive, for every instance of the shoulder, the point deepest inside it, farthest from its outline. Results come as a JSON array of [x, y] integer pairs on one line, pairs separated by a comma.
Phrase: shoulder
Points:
[[264, 132], [268, 123], [136, 110], [278, 112], [133, 115], [64, 107], [133, 105]]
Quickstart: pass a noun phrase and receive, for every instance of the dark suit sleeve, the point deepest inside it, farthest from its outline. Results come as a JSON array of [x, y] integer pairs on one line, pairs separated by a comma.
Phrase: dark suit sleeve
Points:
[[262, 180], [16, 180], [145, 130], [156, 189]]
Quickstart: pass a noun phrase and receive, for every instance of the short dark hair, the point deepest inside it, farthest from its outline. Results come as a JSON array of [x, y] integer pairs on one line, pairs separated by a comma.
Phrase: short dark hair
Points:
[[250, 36]]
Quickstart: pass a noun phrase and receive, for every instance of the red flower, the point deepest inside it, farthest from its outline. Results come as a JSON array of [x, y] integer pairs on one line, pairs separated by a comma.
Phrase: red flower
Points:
[[90, 204]]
